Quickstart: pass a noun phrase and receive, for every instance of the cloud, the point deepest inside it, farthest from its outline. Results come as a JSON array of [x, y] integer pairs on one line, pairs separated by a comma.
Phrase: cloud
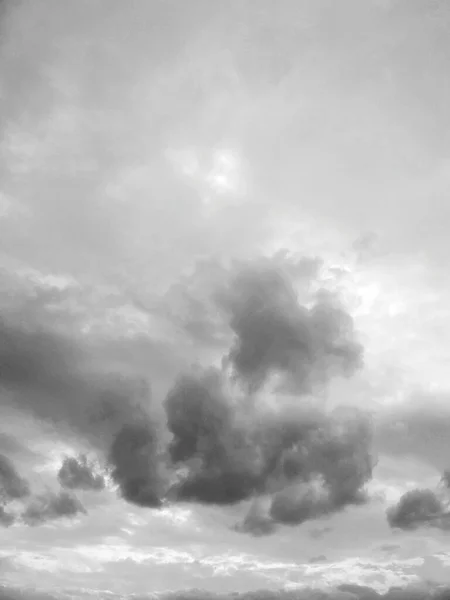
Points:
[[52, 506], [137, 465], [258, 520], [274, 333], [49, 375], [12, 485], [228, 450], [77, 473], [212, 442], [418, 508], [67, 382], [228, 447]]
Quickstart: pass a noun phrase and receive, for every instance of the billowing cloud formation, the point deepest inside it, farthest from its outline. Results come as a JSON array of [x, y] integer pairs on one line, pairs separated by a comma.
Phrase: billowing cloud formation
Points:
[[313, 463], [274, 333], [12, 485], [51, 506], [77, 473], [416, 508]]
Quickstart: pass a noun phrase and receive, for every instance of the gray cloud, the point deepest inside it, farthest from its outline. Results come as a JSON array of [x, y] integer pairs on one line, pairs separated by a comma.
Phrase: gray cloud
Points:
[[77, 473], [274, 333], [50, 376], [229, 450], [223, 448], [211, 442], [12, 485], [64, 381], [418, 508], [137, 465], [52, 506], [311, 462], [257, 521]]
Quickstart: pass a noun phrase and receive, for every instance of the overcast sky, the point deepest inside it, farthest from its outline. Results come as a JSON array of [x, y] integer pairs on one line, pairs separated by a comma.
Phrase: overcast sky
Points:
[[224, 296]]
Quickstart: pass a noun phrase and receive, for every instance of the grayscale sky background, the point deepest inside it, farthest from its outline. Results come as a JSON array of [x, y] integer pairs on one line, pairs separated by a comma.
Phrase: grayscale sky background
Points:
[[158, 159]]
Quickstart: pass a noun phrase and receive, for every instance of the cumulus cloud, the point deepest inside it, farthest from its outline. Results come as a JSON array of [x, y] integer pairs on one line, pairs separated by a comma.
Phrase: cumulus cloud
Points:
[[418, 508], [77, 473], [51, 506]]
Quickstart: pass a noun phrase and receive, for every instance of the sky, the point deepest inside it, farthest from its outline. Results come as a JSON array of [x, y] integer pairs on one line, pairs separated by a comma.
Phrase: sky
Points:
[[224, 302]]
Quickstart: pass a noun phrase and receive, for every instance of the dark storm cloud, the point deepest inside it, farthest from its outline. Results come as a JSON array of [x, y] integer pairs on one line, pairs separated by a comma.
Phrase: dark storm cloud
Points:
[[52, 506], [77, 473], [12, 485], [275, 333], [418, 508]]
